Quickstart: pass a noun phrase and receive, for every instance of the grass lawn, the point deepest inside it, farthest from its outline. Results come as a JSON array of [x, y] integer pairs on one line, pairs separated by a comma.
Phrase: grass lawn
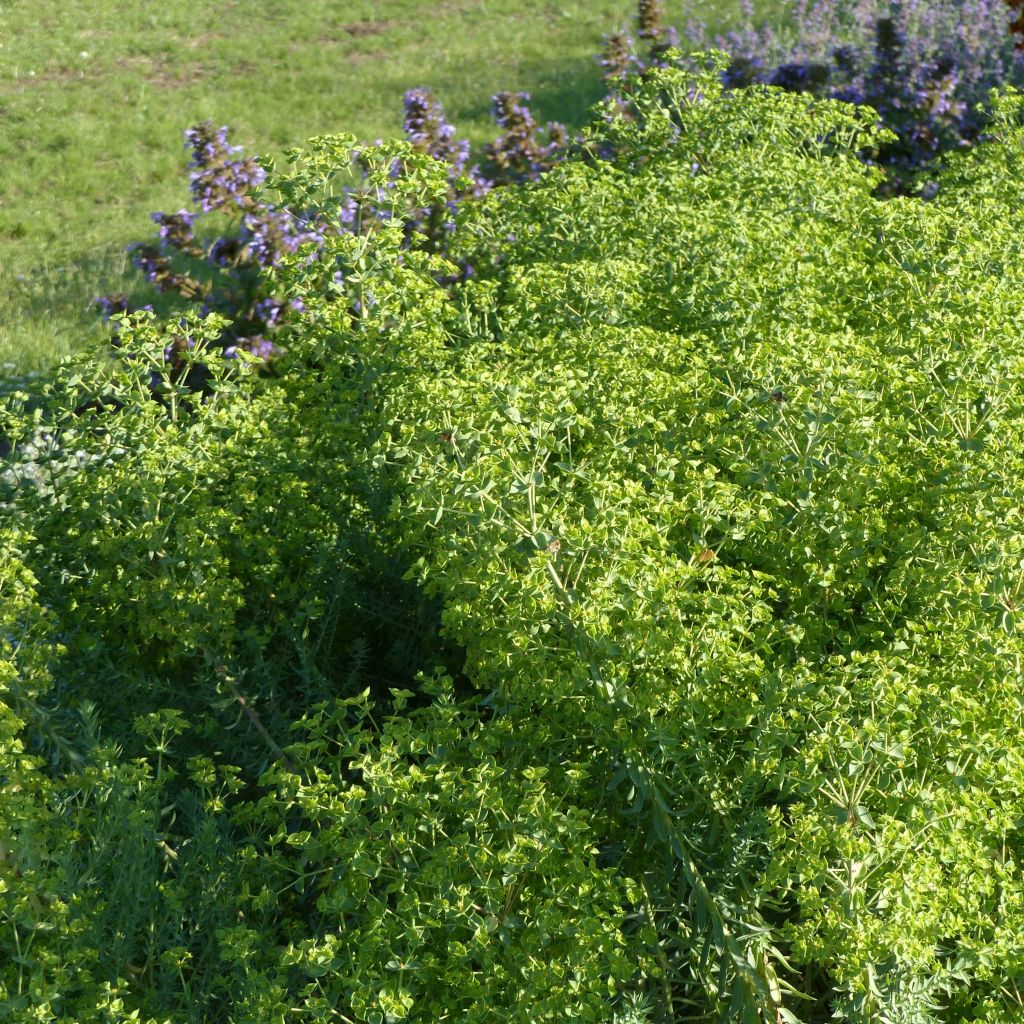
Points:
[[94, 95]]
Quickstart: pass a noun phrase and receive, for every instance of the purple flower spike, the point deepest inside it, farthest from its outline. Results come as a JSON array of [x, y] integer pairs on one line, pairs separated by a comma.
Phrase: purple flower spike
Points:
[[218, 180], [176, 231], [430, 132], [517, 155], [108, 305]]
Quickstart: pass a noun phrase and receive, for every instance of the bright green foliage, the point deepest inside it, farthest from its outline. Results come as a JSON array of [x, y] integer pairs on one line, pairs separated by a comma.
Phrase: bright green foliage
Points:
[[729, 496], [628, 633]]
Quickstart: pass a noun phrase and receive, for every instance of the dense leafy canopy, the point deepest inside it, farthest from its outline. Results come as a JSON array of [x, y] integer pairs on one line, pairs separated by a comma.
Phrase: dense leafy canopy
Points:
[[629, 632]]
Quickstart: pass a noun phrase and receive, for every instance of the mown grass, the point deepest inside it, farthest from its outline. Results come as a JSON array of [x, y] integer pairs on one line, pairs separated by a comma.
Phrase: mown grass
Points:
[[94, 95]]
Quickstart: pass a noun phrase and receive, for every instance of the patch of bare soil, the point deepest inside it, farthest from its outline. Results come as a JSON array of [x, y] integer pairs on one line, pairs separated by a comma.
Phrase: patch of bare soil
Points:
[[359, 29]]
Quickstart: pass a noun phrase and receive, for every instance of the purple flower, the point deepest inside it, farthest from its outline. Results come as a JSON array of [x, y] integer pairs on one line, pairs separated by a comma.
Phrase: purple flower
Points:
[[218, 180], [429, 131], [226, 251], [268, 234], [798, 76], [209, 145], [259, 346], [517, 154], [176, 231], [924, 65], [157, 269], [170, 222], [268, 311], [108, 305], [648, 19], [619, 59], [256, 344], [226, 184]]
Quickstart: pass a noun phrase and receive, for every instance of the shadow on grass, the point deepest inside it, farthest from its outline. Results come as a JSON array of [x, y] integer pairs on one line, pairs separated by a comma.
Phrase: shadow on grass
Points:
[[563, 91], [49, 310]]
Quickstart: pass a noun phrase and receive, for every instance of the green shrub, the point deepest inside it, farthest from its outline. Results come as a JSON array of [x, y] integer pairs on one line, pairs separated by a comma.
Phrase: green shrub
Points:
[[629, 632], [728, 492]]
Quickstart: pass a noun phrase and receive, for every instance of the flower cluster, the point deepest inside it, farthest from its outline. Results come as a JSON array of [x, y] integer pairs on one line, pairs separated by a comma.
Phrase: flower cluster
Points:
[[219, 179], [116, 302], [223, 273], [176, 229], [648, 19], [157, 269], [267, 234], [619, 59], [427, 128], [1017, 25], [924, 65]]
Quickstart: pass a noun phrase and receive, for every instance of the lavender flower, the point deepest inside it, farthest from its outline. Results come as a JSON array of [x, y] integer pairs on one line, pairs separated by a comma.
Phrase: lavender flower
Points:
[[226, 251], [108, 305], [209, 145], [268, 311], [480, 184], [619, 60], [176, 231], [256, 344], [798, 76], [668, 39], [429, 131], [156, 268], [270, 233], [517, 155], [218, 180], [1017, 25], [648, 19], [924, 65]]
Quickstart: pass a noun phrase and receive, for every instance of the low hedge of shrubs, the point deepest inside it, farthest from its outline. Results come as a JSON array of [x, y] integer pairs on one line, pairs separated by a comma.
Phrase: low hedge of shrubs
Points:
[[625, 632]]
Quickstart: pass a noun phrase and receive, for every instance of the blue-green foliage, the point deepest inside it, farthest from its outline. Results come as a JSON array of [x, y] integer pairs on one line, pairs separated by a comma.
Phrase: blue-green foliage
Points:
[[627, 633]]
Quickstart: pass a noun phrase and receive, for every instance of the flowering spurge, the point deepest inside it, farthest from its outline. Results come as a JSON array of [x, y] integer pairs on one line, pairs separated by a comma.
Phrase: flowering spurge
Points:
[[629, 635], [705, 503], [369, 205]]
